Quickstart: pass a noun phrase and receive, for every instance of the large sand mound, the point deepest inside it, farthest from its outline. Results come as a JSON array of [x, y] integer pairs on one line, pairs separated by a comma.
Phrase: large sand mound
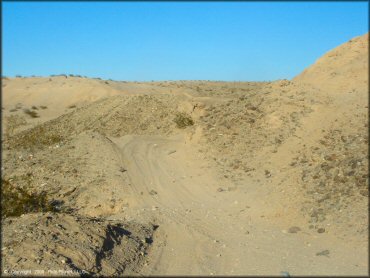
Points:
[[342, 69]]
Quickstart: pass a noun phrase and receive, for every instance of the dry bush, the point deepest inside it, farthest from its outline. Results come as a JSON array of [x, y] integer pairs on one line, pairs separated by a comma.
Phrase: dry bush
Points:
[[37, 137], [183, 120], [13, 122]]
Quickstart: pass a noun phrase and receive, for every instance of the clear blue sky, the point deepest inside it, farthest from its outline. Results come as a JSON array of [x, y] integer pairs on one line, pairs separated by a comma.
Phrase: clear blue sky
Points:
[[145, 41]]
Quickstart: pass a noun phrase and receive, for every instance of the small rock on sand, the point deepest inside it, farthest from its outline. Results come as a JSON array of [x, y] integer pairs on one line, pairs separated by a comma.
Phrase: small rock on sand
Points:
[[321, 230], [153, 192], [323, 253], [294, 230]]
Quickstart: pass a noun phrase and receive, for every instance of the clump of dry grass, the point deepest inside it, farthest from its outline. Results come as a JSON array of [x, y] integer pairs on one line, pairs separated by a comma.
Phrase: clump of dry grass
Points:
[[183, 120], [17, 201]]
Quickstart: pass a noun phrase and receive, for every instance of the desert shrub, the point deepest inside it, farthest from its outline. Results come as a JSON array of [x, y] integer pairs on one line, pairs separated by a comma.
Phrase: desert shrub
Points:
[[17, 201], [13, 122], [32, 114], [37, 137], [43, 107], [183, 120], [72, 106], [13, 110], [34, 108]]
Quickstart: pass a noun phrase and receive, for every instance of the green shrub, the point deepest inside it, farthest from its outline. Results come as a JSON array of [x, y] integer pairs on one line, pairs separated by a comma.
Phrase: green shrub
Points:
[[183, 120], [17, 201]]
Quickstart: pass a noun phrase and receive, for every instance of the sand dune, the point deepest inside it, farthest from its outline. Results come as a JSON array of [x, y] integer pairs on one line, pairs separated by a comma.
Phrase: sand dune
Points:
[[193, 177], [343, 69]]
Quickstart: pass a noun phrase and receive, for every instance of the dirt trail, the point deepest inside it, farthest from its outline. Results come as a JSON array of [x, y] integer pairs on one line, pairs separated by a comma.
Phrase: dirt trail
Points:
[[204, 231]]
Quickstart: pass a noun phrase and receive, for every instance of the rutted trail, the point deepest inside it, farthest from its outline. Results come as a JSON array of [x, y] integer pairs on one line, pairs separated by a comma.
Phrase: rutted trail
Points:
[[203, 231], [175, 191]]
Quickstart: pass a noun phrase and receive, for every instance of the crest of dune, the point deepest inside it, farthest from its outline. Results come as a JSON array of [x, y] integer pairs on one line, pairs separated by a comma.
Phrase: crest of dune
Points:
[[344, 68]]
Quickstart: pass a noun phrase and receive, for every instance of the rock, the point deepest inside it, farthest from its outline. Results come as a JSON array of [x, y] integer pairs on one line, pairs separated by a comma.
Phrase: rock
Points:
[[321, 230], [267, 173], [323, 253], [153, 192], [294, 230]]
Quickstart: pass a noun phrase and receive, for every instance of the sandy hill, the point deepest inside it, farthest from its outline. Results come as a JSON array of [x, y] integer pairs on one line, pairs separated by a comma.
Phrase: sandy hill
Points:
[[46, 98], [342, 69], [192, 177], [56, 93]]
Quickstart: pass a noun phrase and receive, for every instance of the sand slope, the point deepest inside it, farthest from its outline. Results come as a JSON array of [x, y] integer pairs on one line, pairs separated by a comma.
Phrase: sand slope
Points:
[[342, 69]]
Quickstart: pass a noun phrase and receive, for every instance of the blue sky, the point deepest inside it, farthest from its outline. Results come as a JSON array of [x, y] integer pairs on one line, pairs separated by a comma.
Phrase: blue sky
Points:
[[143, 41]]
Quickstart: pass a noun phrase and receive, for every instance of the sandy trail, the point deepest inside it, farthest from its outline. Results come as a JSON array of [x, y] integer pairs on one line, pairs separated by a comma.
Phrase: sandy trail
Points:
[[205, 232]]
